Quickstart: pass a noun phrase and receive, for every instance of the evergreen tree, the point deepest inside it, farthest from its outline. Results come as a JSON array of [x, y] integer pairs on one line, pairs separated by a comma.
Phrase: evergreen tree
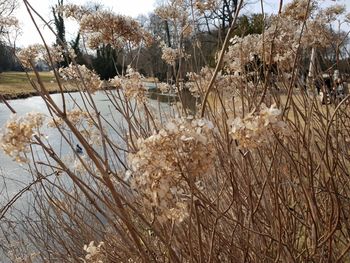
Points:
[[105, 62], [60, 28]]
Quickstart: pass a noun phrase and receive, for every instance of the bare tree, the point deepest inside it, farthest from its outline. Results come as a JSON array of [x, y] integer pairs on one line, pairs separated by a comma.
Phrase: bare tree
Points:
[[7, 7]]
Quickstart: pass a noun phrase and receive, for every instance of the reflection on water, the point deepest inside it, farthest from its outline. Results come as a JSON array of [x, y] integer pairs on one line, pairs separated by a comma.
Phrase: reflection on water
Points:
[[189, 102]]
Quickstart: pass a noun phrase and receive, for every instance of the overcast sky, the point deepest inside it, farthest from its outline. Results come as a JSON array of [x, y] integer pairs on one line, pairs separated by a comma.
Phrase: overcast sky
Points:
[[127, 7], [30, 36]]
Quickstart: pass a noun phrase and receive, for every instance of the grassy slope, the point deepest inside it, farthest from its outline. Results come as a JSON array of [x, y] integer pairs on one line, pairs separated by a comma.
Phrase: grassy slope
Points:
[[16, 84]]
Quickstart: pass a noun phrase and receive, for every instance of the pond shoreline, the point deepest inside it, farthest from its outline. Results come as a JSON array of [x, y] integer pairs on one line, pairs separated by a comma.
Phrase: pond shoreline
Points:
[[24, 95], [32, 93]]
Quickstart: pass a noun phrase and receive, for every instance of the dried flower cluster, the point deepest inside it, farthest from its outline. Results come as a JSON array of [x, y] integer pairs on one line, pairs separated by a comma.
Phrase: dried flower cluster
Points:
[[241, 51], [198, 83], [18, 135], [299, 10], [94, 254], [171, 55], [164, 87], [187, 30], [9, 21], [133, 86], [282, 36], [258, 129], [76, 117], [116, 82], [169, 162], [73, 11], [203, 6], [32, 54], [83, 121], [105, 27], [28, 56], [80, 73], [173, 10]]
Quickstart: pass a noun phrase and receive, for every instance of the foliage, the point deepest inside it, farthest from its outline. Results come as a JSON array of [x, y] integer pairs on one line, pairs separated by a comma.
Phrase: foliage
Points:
[[247, 25], [105, 62], [60, 28]]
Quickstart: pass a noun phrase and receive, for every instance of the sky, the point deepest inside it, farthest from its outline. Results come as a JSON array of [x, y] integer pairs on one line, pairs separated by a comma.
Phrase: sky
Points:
[[30, 35], [132, 8]]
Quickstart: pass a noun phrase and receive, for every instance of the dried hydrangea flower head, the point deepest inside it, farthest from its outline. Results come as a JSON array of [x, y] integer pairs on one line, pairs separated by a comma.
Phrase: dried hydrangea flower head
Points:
[[198, 83], [81, 74], [8, 22], [171, 55], [133, 85], [167, 161], [73, 11], [106, 28], [241, 50], [333, 12], [32, 54], [282, 36], [173, 10], [18, 135], [84, 121], [258, 129], [164, 87], [316, 32], [77, 117], [29, 56], [94, 254], [206, 5], [115, 82], [299, 10]]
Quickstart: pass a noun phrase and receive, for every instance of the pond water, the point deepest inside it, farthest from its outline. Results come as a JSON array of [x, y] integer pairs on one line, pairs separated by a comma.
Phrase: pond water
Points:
[[14, 176]]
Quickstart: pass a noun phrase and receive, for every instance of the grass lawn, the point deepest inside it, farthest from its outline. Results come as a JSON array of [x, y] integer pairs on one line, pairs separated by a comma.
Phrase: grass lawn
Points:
[[16, 84]]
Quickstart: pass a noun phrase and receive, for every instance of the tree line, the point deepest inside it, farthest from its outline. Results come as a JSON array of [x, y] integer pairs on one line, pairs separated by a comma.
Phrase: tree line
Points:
[[209, 24]]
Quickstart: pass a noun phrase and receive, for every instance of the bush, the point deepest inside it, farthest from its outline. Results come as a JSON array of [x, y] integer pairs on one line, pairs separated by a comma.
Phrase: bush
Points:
[[259, 173]]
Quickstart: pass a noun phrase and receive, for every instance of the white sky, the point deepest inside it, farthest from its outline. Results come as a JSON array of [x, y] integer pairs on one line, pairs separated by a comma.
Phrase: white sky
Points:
[[29, 33], [127, 7]]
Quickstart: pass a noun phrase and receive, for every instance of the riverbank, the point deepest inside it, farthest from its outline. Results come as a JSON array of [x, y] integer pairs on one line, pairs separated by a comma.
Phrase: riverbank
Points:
[[16, 85]]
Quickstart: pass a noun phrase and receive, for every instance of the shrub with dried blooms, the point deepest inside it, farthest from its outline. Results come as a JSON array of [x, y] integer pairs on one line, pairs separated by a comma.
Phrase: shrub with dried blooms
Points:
[[133, 86], [18, 135], [259, 174], [86, 78], [104, 27], [32, 54], [256, 130], [168, 166], [171, 55], [283, 37]]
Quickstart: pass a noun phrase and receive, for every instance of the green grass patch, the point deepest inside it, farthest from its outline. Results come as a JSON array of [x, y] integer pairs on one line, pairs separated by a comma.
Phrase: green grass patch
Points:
[[17, 85], [21, 77]]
